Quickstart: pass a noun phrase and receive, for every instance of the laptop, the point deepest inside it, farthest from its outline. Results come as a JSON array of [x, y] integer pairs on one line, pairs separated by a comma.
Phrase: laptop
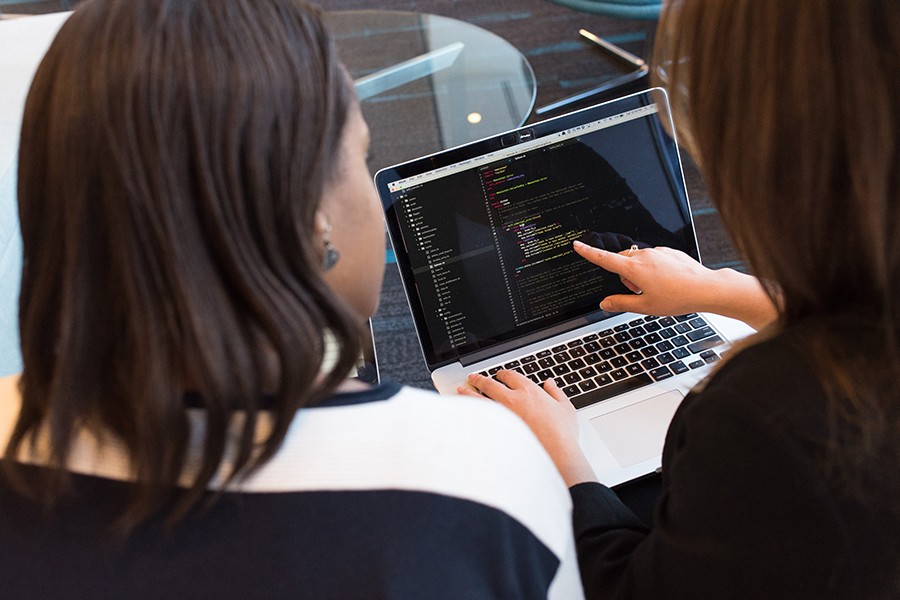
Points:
[[482, 236]]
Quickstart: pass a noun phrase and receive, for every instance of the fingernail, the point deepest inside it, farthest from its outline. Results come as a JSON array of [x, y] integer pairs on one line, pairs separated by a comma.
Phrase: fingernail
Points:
[[578, 244], [605, 305]]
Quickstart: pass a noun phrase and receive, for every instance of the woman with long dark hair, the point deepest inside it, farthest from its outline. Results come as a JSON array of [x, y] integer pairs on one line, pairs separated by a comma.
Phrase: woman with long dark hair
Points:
[[779, 473], [202, 246]]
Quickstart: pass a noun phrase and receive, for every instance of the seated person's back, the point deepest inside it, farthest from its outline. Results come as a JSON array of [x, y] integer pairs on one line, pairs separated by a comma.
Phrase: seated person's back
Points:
[[203, 244]]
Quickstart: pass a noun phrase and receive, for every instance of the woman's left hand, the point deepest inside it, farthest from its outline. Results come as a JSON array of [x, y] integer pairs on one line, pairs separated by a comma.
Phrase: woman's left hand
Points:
[[547, 411]]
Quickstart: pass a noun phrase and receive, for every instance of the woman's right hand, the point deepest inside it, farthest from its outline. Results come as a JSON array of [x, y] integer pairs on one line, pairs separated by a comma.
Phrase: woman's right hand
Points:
[[669, 282]]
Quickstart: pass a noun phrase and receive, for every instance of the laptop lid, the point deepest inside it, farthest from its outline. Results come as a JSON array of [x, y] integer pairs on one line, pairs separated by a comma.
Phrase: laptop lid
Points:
[[483, 233]]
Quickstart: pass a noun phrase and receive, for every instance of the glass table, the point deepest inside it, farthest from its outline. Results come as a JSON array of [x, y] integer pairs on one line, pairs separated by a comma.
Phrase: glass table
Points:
[[428, 82]]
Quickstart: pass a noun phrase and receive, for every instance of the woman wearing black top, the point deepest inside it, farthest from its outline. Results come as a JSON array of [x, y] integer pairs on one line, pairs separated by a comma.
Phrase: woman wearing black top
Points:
[[780, 472]]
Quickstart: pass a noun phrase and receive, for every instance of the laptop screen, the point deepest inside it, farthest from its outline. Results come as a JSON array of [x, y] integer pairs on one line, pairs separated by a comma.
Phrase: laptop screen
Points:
[[483, 233]]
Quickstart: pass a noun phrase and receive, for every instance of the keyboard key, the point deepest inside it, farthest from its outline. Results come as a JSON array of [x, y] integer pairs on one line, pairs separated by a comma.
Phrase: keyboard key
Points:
[[650, 351], [653, 338], [571, 377], [697, 323], [531, 368], [605, 332], [534, 379], [494, 370], [667, 333], [483, 373], [619, 361], [511, 365], [607, 353], [635, 323], [603, 367], [664, 346], [650, 363], [603, 379], [622, 349], [577, 364], [678, 367], [528, 359], [699, 334], [709, 356], [610, 390], [681, 352], [667, 321], [619, 374], [634, 369], [591, 347], [637, 332], [544, 375], [608, 342], [634, 357], [682, 328], [637, 344], [697, 364], [575, 343], [543, 354], [561, 357], [622, 336], [621, 327], [577, 351], [679, 340], [590, 338], [588, 373], [559, 382], [652, 326], [546, 363], [650, 318], [592, 359], [571, 390], [561, 369], [665, 358], [556, 349], [702, 345], [588, 385], [683, 318], [661, 373]]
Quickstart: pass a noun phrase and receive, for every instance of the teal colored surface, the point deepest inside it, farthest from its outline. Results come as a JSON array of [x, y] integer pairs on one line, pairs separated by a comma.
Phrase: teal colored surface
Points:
[[623, 9], [10, 275]]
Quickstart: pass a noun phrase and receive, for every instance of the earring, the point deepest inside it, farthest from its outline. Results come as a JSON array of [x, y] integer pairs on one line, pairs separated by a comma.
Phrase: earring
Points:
[[331, 253]]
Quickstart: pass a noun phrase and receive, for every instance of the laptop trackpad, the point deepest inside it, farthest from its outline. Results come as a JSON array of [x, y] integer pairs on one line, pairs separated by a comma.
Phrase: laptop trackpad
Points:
[[636, 433]]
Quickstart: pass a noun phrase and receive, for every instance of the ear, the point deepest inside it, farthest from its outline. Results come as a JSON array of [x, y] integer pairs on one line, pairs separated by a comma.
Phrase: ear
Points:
[[322, 223]]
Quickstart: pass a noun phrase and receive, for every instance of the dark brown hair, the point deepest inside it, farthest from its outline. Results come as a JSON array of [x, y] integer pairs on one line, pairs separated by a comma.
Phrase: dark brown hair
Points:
[[793, 111], [173, 157]]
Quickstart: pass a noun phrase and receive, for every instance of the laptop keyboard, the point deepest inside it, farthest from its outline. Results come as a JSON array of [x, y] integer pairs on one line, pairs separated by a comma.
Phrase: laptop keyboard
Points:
[[614, 361]]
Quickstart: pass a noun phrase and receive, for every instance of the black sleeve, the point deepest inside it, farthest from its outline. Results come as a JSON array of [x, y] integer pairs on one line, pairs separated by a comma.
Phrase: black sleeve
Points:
[[743, 512]]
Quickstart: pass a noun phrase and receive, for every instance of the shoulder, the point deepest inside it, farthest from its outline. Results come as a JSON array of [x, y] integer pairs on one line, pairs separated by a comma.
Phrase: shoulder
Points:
[[418, 441]]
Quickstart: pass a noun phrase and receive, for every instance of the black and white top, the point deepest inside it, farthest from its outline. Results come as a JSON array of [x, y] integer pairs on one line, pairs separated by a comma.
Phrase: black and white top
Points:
[[388, 493]]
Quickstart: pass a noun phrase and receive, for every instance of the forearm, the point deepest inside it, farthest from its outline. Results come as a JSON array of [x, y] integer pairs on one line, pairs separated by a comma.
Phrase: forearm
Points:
[[739, 296]]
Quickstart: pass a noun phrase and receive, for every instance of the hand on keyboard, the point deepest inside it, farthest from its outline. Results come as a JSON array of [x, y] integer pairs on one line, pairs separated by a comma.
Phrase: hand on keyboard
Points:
[[546, 410]]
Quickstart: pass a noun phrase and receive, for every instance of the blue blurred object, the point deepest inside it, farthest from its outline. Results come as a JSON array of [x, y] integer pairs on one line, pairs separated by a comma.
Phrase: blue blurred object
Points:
[[623, 9], [10, 275]]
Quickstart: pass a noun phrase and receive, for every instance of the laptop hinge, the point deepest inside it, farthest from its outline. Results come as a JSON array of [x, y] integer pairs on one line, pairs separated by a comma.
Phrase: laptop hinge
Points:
[[543, 334]]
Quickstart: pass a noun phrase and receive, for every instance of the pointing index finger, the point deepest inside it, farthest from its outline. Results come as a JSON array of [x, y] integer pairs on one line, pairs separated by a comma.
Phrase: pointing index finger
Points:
[[610, 261]]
